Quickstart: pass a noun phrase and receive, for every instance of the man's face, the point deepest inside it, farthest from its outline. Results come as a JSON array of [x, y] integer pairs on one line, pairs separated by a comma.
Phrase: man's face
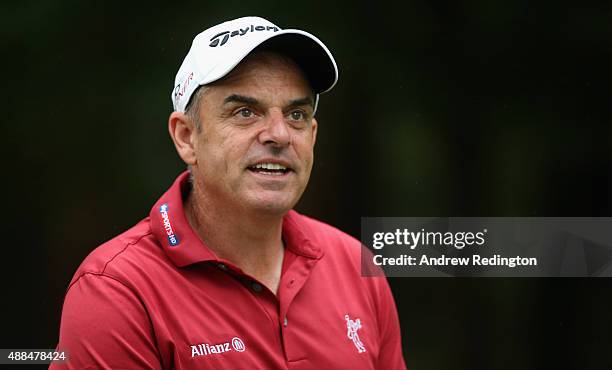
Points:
[[255, 147]]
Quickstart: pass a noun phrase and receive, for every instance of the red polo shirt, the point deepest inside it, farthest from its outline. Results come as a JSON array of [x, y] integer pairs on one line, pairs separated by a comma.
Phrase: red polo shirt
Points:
[[157, 297]]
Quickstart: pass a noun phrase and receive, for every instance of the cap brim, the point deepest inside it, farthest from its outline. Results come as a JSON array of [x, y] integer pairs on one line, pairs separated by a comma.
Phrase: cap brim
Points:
[[309, 53], [306, 50]]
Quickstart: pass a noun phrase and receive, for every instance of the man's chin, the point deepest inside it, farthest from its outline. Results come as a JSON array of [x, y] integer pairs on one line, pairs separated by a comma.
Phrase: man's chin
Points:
[[271, 205]]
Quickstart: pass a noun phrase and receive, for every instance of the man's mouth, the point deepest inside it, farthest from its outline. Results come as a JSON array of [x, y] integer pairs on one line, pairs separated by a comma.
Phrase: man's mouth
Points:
[[273, 169]]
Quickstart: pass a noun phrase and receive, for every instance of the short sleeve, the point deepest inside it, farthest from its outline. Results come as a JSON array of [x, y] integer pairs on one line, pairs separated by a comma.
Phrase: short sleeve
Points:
[[105, 325], [390, 356]]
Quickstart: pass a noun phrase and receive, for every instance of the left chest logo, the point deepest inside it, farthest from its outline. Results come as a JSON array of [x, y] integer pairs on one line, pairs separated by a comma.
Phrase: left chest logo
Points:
[[352, 327], [207, 349]]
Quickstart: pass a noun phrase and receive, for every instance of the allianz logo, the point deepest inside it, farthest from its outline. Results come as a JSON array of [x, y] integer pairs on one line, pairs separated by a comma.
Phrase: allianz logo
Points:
[[206, 349], [221, 38]]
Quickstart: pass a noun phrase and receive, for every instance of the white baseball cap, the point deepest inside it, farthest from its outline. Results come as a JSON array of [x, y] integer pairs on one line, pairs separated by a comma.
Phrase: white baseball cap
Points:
[[217, 50]]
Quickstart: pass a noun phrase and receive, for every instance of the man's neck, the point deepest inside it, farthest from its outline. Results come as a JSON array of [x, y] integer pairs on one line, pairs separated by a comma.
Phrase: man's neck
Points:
[[250, 240]]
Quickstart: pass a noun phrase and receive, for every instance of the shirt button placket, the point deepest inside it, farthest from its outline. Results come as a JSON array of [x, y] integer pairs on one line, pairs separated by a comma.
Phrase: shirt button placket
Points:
[[256, 287]]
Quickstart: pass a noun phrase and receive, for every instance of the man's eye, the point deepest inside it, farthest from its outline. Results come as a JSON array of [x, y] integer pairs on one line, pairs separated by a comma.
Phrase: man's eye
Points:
[[245, 112], [297, 115]]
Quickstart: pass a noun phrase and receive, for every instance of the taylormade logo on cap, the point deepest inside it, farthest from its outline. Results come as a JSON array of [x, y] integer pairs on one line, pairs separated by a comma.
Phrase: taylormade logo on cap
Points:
[[218, 50], [214, 41]]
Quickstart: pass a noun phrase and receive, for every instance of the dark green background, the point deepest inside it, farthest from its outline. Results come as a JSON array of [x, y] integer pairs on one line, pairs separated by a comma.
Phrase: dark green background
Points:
[[443, 108]]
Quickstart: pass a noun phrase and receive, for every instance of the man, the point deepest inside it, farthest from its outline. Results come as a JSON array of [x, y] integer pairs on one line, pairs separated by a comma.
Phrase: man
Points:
[[224, 274]]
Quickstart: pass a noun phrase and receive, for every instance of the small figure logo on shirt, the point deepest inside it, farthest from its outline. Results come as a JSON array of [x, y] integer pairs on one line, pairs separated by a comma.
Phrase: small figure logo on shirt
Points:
[[352, 326]]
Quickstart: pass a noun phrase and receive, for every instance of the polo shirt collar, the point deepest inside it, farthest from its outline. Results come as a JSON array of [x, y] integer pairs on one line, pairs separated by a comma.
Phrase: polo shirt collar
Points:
[[184, 247], [296, 237]]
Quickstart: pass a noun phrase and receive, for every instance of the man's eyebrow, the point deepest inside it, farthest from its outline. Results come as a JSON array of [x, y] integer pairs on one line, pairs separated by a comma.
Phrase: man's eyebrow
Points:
[[235, 98], [302, 101]]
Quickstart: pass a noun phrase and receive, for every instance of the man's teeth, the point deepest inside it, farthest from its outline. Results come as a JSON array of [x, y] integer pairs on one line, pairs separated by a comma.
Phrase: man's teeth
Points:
[[270, 166]]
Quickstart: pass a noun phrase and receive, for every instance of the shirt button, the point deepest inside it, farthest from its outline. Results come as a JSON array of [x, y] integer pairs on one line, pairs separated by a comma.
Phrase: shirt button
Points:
[[285, 322], [256, 287]]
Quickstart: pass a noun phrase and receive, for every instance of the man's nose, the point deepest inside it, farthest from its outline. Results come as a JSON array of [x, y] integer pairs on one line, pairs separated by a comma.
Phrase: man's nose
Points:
[[276, 132]]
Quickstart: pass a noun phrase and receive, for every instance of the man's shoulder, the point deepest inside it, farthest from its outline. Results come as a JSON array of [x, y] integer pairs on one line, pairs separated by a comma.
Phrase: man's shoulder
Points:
[[344, 255], [118, 256]]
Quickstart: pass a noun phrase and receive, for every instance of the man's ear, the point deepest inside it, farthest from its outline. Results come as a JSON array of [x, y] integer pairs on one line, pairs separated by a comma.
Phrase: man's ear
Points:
[[314, 126], [183, 133]]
